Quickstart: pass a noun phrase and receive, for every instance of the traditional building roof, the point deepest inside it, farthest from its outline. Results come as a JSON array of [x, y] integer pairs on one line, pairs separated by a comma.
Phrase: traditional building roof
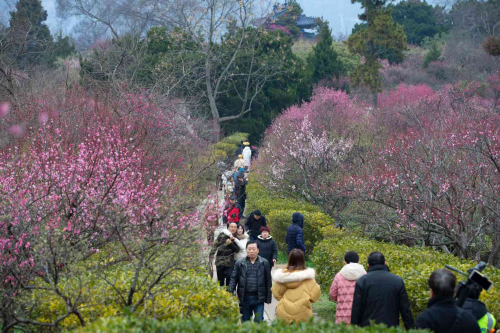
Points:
[[305, 22]]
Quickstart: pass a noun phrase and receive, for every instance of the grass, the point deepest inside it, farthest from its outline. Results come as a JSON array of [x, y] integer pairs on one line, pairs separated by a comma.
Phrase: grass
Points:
[[325, 308], [283, 259]]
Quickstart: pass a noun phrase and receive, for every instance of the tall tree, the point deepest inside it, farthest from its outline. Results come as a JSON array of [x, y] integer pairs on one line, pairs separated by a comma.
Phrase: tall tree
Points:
[[31, 37], [418, 19], [381, 31], [323, 61]]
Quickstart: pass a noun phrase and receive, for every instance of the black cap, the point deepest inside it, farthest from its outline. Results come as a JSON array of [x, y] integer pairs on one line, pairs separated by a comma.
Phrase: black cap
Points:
[[257, 212]]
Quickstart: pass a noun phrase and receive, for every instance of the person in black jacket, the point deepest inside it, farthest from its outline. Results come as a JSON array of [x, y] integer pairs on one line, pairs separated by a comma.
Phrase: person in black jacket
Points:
[[485, 320], [442, 314], [255, 221], [380, 296], [267, 246], [294, 234], [225, 247], [240, 191], [252, 280]]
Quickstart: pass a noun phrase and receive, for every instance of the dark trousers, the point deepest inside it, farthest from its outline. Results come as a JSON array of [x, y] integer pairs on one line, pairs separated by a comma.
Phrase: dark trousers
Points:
[[224, 275], [251, 306], [241, 202], [253, 238]]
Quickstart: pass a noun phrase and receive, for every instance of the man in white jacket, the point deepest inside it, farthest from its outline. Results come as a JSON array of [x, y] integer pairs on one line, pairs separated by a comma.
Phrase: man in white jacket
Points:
[[247, 154]]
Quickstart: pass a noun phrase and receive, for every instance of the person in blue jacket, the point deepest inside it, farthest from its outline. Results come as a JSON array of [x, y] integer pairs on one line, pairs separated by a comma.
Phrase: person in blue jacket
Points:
[[294, 234]]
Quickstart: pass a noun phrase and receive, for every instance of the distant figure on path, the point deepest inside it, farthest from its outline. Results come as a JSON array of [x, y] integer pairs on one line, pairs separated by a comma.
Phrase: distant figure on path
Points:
[[252, 281], [226, 247], [247, 155], [240, 191], [239, 150], [255, 221], [239, 163], [294, 234], [267, 246], [342, 288], [233, 211], [295, 289], [442, 314], [380, 296], [221, 167]]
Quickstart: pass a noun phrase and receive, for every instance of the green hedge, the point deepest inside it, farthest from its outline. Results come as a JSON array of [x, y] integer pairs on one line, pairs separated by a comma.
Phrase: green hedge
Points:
[[135, 325], [279, 220], [279, 212], [260, 198], [181, 295], [227, 146], [414, 265], [235, 138]]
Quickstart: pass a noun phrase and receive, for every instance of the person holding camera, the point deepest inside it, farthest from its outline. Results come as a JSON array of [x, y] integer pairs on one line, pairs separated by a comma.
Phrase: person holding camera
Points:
[[485, 320], [226, 247], [442, 314]]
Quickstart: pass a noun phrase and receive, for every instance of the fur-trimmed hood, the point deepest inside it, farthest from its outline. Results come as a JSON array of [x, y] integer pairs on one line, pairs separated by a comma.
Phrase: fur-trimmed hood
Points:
[[265, 240], [352, 271], [227, 233], [293, 279]]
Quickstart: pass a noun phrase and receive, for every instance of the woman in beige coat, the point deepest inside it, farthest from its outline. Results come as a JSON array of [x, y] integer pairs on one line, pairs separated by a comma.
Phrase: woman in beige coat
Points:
[[295, 289]]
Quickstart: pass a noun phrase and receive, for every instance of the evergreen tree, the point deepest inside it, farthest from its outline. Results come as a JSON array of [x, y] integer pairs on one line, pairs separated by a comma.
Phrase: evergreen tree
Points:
[[418, 19], [381, 31], [63, 47], [31, 37], [323, 61], [434, 54]]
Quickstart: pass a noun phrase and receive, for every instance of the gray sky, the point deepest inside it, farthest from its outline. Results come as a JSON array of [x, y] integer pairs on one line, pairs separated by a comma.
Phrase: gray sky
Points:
[[331, 10]]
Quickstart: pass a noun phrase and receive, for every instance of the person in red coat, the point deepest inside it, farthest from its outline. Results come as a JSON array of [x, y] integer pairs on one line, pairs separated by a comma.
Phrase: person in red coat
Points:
[[342, 289], [233, 211]]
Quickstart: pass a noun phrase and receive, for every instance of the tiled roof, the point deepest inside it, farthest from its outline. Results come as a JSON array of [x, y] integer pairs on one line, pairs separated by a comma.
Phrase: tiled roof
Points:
[[305, 21]]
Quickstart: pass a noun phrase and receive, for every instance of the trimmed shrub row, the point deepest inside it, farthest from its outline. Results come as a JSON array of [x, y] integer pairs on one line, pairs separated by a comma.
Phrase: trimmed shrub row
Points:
[[137, 325], [182, 295], [279, 213], [413, 264], [226, 147]]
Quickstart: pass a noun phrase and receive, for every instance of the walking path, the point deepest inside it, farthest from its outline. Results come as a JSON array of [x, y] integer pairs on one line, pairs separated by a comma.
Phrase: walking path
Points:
[[269, 309]]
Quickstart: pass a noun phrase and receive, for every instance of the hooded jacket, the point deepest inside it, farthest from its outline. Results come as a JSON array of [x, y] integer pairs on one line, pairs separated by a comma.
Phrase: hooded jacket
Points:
[[295, 292], [225, 249], [444, 316], [381, 296], [241, 241], [294, 234], [253, 225], [268, 249], [475, 306], [485, 320], [342, 290], [247, 155]]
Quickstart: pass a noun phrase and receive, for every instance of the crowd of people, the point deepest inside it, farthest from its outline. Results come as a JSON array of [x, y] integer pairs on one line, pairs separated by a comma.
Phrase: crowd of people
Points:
[[245, 254]]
